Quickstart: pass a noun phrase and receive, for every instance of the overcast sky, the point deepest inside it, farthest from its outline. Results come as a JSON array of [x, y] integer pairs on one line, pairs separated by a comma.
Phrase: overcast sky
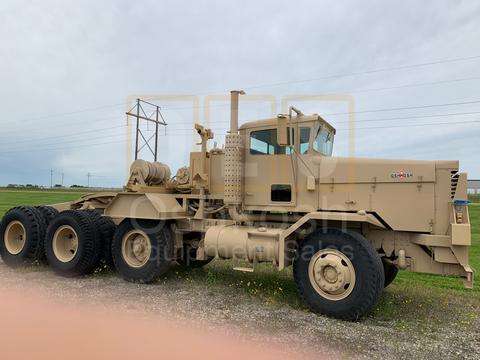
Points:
[[68, 67]]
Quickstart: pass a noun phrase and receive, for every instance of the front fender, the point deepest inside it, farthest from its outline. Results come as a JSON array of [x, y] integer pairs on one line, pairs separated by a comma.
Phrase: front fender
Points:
[[359, 217]]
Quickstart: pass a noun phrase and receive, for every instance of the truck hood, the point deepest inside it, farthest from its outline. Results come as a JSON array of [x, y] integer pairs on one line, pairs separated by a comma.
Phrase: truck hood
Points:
[[367, 170]]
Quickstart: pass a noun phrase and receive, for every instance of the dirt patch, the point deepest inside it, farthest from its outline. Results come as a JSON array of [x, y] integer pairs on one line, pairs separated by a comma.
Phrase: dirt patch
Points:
[[287, 328]]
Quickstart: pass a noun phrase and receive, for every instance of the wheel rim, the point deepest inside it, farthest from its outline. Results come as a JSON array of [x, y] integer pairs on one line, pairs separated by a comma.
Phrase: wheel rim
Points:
[[65, 243], [331, 274], [136, 248], [15, 236]]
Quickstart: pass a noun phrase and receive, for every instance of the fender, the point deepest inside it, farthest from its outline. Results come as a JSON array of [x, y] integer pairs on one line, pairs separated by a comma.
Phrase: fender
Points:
[[145, 206], [359, 216]]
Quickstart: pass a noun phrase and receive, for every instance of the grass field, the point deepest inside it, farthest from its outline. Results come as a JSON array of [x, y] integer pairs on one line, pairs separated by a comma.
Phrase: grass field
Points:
[[11, 198], [410, 300]]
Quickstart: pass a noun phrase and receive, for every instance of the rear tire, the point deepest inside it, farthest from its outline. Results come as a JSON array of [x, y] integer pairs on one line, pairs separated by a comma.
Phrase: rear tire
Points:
[[142, 250], [73, 243], [48, 213], [107, 227], [22, 232], [338, 274]]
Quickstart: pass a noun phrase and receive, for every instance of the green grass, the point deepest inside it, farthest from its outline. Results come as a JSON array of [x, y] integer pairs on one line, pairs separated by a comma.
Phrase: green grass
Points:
[[474, 198], [10, 197], [410, 300]]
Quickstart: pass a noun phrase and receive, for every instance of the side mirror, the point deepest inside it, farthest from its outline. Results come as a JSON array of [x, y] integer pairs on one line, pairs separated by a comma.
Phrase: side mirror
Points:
[[282, 131]]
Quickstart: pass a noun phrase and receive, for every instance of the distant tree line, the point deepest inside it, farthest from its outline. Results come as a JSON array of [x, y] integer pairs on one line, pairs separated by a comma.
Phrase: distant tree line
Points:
[[33, 186]]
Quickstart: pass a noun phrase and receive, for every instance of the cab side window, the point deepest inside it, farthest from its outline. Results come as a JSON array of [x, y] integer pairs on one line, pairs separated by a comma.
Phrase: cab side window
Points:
[[304, 139], [264, 142]]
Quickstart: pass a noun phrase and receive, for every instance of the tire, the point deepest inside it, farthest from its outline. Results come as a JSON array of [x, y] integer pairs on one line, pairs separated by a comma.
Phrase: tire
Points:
[[189, 260], [22, 233], [142, 250], [48, 213], [66, 259], [338, 274], [390, 271], [107, 227]]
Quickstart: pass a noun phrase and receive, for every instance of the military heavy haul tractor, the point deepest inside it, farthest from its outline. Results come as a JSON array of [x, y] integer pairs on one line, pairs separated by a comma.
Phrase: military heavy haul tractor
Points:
[[273, 194]]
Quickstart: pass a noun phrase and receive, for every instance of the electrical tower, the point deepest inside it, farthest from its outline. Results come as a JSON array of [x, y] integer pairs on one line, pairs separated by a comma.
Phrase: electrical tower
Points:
[[155, 117]]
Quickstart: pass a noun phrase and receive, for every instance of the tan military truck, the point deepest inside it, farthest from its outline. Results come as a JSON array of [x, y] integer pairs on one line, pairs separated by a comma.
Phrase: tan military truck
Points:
[[273, 194]]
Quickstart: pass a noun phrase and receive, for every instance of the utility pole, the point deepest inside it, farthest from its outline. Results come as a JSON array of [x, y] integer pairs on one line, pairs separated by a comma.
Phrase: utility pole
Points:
[[51, 178], [88, 179], [63, 175]]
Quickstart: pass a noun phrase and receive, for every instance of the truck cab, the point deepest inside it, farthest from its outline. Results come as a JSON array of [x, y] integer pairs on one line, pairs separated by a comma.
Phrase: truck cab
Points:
[[280, 176]]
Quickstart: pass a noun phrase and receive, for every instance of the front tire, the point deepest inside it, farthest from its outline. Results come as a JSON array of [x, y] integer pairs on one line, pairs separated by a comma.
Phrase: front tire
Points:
[[338, 274], [142, 250]]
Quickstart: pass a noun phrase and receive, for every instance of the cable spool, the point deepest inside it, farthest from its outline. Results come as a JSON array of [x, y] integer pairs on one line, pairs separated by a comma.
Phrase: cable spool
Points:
[[152, 173], [183, 176]]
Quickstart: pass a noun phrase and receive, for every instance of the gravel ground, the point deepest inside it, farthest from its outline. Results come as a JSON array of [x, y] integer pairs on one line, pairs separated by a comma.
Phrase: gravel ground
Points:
[[212, 306]]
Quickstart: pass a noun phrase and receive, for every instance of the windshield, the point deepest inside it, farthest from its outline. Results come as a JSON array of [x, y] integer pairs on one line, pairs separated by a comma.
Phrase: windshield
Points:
[[323, 141]]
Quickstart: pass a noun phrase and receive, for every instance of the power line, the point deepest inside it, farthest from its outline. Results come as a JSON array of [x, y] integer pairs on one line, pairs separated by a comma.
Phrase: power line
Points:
[[63, 148], [35, 147], [338, 91], [414, 85], [175, 131], [394, 68], [73, 112], [189, 134], [102, 119], [367, 120], [415, 125], [63, 136], [412, 117], [224, 122], [367, 111], [404, 108]]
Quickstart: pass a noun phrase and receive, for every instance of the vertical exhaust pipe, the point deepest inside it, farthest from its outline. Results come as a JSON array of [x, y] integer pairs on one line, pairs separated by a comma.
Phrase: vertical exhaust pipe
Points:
[[234, 95], [233, 171]]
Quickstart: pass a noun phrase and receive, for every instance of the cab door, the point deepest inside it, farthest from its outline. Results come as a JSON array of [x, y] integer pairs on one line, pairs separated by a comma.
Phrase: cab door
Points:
[[269, 170]]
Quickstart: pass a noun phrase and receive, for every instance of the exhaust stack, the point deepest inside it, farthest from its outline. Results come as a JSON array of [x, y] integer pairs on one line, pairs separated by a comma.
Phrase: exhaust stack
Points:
[[234, 95], [233, 171]]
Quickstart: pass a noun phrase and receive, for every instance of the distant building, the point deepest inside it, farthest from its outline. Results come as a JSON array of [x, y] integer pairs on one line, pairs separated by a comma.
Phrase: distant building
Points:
[[473, 186]]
